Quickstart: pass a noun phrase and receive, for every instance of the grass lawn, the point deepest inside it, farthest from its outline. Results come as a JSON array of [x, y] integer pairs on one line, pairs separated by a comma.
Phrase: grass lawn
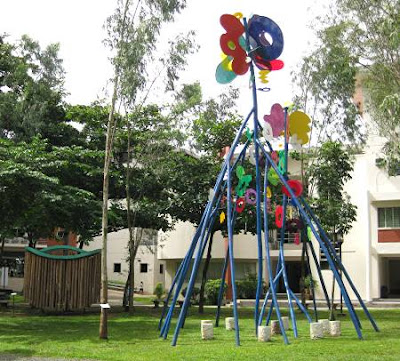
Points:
[[136, 338]]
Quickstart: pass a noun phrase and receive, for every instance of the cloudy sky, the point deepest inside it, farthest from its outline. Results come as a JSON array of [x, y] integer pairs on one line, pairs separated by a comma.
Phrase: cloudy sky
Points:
[[77, 26]]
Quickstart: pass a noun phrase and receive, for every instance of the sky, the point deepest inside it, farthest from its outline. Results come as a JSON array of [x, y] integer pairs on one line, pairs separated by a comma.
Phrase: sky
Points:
[[78, 26]]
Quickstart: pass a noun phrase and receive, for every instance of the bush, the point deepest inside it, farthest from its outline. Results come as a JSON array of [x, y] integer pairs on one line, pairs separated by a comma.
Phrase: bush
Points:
[[159, 290], [247, 288], [194, 299], [211, 291]]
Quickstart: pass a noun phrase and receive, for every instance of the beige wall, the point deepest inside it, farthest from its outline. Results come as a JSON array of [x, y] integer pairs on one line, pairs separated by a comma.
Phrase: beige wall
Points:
[[117, 252]]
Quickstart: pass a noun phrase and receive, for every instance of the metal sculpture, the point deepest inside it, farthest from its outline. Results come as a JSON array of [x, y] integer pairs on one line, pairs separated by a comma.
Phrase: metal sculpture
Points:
[[246, 46]]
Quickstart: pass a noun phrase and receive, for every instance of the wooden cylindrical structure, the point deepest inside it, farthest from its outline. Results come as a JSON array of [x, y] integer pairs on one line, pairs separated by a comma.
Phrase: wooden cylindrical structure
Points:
[[62, 282]]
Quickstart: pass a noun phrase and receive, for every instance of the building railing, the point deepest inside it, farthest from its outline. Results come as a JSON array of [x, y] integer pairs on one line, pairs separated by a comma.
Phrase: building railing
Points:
[[275, 239], [23, 242]]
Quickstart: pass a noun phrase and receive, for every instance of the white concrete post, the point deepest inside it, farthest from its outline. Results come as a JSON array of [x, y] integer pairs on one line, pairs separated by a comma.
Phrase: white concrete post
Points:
[[325, 326], [285, 321], [207, 329], [264, 333], [316, 330], [335, 328], [275, 328], [230, 323]]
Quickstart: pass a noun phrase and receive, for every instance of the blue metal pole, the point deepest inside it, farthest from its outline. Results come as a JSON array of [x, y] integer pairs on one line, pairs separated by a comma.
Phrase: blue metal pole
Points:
[[203, 243], [332, 254], [266, 298], [302, 308], [178, 272], [165, 328], [321, 278], [322, 245], [283, 228], [285, 279], [268, 255], [192, 279], [222, 285], [216, 187], [221, 288], [258, 185], [207, 240], [230, 246], [338, 261], [160, 323]]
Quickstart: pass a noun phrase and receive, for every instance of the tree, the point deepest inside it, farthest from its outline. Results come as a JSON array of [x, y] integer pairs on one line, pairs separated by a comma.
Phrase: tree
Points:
[[149, 163], [43, 188], [31, 92], [358, 42], [132, 35], [331, 169]]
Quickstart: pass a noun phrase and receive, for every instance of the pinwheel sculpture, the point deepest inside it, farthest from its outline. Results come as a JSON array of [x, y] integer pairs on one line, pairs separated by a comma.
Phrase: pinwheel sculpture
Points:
[[248, 45]]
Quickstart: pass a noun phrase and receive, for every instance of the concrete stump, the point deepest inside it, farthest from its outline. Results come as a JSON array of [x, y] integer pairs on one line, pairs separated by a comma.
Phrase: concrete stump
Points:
[[264, 333], [335, 328], [316, 330], [230, 323], [275, 328], [285, 321], [325, 326], [207, 329]]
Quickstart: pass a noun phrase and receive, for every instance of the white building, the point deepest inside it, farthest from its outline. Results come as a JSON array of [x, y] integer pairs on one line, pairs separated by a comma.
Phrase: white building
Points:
[[148, 269]]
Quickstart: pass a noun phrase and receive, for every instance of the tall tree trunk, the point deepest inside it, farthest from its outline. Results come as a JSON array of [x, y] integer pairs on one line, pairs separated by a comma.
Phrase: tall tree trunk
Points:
[[204, 277], [332, 311], [3, 241], [131, 243], [125, 298], [30, 240], [111, 125], [111, 128], [303, 271]]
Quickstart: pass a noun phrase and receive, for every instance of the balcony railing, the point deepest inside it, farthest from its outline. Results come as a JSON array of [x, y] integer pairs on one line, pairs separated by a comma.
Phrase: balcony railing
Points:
[[275, 239], [23, 242]]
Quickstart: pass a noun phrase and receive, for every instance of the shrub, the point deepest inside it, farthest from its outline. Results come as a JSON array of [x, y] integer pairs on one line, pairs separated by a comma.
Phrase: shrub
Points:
[[211, 291], [159, 290], [195, 295], [247, 288]]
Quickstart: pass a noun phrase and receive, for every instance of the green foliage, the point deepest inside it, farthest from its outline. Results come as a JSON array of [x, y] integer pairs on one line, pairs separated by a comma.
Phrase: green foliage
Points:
[[31, 91], [159, 290], [216, 123], [247, 288], [309, 282], [132, 35], [211, 291], [332, 168], [358, 42], [327, 82], [43, 188], [194, 299]]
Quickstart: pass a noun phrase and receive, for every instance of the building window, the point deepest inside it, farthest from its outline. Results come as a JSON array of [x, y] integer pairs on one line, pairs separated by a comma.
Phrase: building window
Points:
[[143, 267], [117, 267], [161, 268], [389, 217]]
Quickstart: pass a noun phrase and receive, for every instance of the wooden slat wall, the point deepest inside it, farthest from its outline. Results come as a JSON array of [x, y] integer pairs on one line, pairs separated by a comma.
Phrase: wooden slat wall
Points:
[[62, 285]]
